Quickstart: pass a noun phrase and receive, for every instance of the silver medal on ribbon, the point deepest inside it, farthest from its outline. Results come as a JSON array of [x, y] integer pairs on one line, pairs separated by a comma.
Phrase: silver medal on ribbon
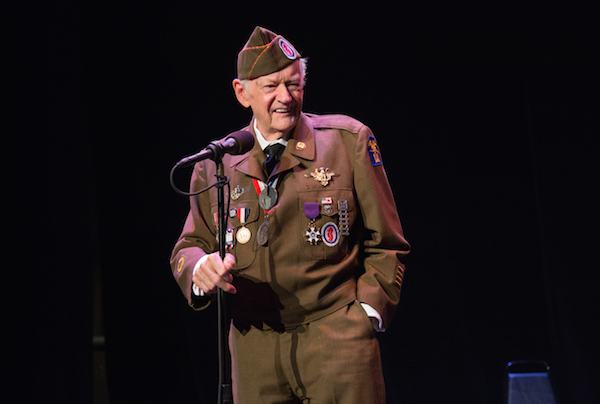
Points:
[[267, 198]]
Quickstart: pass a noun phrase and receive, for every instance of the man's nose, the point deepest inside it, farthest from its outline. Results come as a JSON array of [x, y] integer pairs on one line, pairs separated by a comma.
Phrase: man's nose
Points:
[[283, 94]]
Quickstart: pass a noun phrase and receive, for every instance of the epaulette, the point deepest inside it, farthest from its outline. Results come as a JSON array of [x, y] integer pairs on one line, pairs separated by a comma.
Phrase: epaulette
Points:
[[335, 121]]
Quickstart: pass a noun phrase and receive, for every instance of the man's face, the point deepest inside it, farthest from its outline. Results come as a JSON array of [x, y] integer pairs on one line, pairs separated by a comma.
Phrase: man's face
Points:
[[275, 99]]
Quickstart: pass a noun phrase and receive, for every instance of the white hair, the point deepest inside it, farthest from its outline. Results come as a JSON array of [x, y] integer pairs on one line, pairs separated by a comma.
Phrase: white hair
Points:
[[304, 67]]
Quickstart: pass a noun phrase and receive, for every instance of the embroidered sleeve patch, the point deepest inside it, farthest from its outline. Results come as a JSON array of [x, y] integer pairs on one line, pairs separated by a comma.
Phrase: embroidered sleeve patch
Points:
[[180, 264], [374, 153]]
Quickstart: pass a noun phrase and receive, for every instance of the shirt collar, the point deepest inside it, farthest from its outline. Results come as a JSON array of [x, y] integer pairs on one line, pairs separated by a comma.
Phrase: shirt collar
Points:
[[264, 142]]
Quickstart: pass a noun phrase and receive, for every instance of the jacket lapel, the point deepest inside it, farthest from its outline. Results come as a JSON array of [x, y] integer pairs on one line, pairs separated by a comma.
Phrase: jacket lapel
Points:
[[301, 147], [250, 163]]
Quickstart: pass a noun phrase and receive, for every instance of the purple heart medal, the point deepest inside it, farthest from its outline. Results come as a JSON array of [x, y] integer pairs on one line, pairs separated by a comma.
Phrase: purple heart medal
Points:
[[311, 211]]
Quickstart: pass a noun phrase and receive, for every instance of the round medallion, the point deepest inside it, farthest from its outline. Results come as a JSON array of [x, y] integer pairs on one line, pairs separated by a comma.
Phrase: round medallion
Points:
[[267, 198], [263, 233], [243, 235]]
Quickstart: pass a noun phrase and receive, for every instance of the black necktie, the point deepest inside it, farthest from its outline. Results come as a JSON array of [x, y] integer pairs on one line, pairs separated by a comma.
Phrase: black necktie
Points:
[[272, 153]]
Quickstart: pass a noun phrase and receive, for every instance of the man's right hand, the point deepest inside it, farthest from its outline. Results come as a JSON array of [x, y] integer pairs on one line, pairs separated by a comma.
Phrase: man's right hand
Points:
[[212, 272]]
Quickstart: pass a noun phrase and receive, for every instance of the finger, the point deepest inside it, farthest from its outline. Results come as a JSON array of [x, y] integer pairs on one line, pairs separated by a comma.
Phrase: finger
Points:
[[223, 283], [205, 277], [206, 287], [229, 261], [213, 273], [222, 267]]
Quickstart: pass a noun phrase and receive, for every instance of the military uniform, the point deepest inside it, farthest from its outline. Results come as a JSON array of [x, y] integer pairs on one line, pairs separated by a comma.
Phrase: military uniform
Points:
[[332, 161], [311, 241]]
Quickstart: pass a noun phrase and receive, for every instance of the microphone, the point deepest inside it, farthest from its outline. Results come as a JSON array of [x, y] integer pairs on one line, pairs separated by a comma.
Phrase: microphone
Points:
[[238, 142]]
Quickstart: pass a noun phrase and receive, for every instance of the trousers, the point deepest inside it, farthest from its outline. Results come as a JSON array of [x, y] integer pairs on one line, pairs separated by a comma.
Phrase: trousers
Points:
[[335, 359]]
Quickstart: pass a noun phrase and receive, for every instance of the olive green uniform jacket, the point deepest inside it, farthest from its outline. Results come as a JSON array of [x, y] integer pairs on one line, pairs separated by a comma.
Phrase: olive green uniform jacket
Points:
[[292, 281]]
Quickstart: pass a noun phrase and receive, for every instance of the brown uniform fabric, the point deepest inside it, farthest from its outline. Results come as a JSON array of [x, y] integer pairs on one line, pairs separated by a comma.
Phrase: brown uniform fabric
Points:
[[291, 283], [335, 359]]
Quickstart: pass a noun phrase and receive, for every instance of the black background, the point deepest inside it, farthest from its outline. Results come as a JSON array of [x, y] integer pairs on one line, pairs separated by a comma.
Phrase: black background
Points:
[[487, 117]]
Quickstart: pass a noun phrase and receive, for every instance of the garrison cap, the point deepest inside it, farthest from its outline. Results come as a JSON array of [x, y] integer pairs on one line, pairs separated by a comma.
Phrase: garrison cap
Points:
[[264, 53]]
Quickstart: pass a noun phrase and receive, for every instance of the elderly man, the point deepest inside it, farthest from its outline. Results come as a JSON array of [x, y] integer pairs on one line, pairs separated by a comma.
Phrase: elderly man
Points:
[[315, 243]]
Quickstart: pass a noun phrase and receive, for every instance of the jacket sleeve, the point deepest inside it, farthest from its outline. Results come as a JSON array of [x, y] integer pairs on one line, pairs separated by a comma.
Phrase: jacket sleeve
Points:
[[383, 240], [196, 240]]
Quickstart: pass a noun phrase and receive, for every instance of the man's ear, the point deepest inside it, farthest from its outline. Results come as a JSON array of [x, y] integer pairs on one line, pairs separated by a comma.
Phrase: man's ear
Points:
[[240, 93]]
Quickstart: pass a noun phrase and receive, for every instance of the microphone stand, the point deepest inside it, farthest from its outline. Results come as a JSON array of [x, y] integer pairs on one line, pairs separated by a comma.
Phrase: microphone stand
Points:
[[215, 152], [225, 395]]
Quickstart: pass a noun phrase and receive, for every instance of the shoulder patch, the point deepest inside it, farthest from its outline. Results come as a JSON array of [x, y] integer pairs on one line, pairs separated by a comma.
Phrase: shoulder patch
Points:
[[374, 153]]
